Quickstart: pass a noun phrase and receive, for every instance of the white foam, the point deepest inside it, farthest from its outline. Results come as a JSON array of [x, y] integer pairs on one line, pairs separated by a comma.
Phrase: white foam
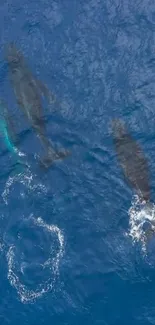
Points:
[[27, 295], [27, 179], [138, 214]]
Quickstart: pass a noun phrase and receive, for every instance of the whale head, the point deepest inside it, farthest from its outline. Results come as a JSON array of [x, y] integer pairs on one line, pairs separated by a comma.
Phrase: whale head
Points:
[[13, 55], [118, 128]]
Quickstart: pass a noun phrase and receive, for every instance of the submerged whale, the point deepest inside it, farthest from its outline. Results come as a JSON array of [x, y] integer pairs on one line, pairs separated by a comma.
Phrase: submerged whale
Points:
[[29, 91], [132, 159]]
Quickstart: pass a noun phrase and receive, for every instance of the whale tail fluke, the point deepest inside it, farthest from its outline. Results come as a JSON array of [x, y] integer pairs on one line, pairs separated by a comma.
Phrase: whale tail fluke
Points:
[[49, 159]]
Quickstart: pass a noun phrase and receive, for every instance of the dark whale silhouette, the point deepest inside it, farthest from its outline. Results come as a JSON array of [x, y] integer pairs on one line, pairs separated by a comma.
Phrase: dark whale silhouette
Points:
[[132, 159], [28, 91]]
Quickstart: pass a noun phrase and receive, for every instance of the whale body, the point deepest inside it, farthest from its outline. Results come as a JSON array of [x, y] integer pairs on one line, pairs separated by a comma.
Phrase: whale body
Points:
[[132, 159]]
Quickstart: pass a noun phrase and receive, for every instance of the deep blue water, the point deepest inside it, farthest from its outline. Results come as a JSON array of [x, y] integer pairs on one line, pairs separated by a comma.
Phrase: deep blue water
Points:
[[77, 264]]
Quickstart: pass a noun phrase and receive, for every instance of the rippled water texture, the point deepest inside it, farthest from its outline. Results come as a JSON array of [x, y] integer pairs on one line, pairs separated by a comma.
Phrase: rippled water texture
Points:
[[73, 248]]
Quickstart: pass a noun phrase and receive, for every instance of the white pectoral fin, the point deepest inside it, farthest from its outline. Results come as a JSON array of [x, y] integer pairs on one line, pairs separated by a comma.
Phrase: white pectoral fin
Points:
[[46, 92]]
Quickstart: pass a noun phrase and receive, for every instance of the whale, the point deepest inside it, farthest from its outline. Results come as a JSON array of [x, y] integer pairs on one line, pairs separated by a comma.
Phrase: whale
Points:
[[132, 159], [29, 91], [135, 168]]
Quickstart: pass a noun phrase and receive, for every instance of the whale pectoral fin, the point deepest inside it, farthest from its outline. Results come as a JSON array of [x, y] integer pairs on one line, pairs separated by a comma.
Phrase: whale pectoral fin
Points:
[[6, 116], [46, 92], [12, 129]]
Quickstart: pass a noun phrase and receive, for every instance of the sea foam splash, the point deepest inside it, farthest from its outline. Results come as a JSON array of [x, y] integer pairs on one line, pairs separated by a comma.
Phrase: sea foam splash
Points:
[[139, 214], [25, 178], [51, 264]]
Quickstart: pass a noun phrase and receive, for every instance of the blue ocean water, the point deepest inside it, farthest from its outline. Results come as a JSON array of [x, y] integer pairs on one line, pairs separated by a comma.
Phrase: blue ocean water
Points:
[[70, 246]]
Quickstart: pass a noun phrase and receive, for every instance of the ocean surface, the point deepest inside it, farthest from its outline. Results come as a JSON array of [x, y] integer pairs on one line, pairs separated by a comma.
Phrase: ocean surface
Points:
[[72, 250]]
